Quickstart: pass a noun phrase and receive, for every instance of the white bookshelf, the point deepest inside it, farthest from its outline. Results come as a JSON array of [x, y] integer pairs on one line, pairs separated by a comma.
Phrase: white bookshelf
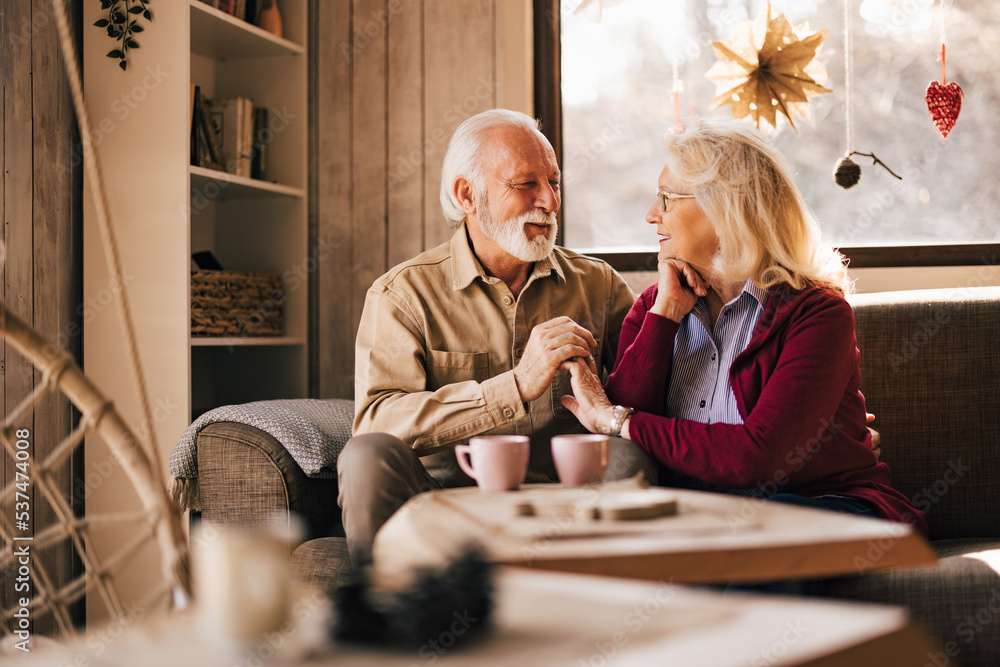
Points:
[[253, 224], [164, 209]]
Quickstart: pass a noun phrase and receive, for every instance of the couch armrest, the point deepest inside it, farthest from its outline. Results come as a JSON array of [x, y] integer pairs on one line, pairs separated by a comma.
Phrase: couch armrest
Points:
[[245, 474]]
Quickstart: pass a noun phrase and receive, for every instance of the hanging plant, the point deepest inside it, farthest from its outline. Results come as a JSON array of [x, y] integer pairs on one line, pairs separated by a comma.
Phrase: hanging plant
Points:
[[123, 24]]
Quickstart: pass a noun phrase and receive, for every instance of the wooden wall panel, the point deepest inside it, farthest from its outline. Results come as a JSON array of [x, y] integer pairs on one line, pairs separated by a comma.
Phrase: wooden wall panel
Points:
[[405, 119], [17, 289], [459, 82], [331, 199], [40, 203], [368, 123], [392, 79], [57, 265]]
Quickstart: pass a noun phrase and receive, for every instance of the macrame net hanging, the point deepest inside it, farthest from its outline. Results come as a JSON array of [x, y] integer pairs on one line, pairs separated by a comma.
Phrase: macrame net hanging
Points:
[[156, 543]]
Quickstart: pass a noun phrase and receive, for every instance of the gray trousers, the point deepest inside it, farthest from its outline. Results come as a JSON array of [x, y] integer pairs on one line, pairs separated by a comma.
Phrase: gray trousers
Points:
[[378, 472]]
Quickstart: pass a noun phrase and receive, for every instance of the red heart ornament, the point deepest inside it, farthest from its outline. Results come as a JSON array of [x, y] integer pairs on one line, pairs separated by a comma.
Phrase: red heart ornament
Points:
[[944, 103]]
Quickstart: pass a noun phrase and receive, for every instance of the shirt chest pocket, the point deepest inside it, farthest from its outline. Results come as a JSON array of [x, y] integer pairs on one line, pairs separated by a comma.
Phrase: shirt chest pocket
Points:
[[444, 368]]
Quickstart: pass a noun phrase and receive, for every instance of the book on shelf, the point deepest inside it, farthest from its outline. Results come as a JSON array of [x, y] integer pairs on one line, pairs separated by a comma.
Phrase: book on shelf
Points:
[[205, 148], [233, 119], [195, 116], [246, 10], [258, 162]]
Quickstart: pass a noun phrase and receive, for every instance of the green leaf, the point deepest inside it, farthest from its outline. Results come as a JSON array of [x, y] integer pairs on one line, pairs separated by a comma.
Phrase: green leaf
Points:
[[132, 44], [123, 65], [137, 28], [148, 14], [116, 53], [101, 23], [135, 9], [106, 3], [118, 17]]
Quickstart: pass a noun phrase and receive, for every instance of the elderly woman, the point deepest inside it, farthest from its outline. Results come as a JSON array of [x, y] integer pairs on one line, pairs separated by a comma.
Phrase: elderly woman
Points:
[[738, 370]]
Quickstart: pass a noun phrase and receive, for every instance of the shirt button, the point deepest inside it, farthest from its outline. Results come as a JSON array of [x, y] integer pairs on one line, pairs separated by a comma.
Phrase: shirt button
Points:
[[713, 357], [518, 352], [702, 404], [507, 300], [508, 413]]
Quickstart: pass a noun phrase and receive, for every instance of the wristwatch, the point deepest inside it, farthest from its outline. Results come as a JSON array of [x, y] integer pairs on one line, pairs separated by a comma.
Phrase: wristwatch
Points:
[[619, 413]]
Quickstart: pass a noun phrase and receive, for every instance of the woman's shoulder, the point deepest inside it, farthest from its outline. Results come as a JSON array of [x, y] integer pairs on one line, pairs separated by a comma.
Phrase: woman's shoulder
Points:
[[812, 305], [816, 295]]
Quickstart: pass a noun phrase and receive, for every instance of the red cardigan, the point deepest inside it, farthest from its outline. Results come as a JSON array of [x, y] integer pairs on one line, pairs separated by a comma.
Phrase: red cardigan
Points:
[[797, 389]]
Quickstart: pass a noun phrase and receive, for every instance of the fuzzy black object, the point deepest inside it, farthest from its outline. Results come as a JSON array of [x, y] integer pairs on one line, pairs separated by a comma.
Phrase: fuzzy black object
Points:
[[848, 173], [456, 600]]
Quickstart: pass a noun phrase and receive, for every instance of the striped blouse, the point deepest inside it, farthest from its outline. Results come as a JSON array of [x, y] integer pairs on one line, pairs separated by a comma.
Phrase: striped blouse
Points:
[[699, 381]]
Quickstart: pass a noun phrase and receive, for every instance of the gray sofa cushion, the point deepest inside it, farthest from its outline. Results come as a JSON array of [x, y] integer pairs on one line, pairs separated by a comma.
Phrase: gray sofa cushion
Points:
[[246, 475], [930, 360], [956, 601]]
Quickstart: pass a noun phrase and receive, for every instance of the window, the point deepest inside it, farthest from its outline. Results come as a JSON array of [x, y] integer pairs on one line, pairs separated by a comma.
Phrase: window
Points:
[[617, 75]]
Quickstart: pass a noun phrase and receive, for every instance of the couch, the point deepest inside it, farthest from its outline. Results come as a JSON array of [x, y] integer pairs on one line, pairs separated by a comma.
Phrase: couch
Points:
[[930, 363]]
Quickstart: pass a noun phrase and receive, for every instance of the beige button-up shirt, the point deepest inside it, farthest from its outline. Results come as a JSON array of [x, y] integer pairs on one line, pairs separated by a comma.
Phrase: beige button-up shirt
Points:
[[439, 339]]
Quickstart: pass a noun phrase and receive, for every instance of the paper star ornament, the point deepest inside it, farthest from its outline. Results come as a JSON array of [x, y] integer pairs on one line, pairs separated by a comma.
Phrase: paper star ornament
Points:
[[768, 68]]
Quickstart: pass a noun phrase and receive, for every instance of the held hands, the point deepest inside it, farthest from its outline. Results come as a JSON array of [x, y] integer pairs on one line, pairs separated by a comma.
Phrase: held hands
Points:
[[549, 345], [589, 403], [678, 287]]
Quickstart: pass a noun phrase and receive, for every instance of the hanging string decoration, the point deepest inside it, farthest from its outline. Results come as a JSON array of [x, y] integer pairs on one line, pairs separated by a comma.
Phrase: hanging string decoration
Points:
[[768, 68], [944, 100], [847, 173], [675, 95]]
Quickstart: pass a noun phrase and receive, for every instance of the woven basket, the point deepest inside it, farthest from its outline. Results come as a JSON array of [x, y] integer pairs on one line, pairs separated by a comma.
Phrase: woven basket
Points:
[[236, 303]]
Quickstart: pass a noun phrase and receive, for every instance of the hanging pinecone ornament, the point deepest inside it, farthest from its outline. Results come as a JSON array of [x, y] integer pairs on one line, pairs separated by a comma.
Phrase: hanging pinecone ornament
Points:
[[944, 101], [848, 173]]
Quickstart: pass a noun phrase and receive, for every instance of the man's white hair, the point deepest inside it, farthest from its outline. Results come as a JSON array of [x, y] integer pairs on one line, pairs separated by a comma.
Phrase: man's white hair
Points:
[[465, 157]]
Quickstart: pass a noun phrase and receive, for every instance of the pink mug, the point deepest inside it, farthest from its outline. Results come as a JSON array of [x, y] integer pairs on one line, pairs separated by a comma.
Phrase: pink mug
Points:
[[496, 462], [580, 459]]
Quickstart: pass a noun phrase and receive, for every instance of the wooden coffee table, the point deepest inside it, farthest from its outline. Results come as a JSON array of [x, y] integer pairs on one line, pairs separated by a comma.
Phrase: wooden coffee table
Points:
[[711, 538], [547, 619]]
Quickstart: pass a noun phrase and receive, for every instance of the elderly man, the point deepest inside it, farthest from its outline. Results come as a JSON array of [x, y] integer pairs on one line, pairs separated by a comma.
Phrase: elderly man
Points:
[[467, 339]]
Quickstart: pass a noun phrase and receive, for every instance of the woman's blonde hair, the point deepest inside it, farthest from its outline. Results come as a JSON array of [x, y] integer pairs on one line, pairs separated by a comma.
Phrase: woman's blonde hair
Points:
[[766, 231]]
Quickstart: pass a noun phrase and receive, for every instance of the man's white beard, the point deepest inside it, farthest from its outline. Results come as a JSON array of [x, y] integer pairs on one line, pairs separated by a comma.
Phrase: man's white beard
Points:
[[510, 234]]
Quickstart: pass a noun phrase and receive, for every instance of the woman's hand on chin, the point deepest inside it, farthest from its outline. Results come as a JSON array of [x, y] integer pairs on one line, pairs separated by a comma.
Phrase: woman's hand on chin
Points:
[[589, 403], [678, 287]]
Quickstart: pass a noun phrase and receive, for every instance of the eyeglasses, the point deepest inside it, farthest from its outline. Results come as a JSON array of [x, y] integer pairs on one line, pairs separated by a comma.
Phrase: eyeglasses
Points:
[[663, 199]]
